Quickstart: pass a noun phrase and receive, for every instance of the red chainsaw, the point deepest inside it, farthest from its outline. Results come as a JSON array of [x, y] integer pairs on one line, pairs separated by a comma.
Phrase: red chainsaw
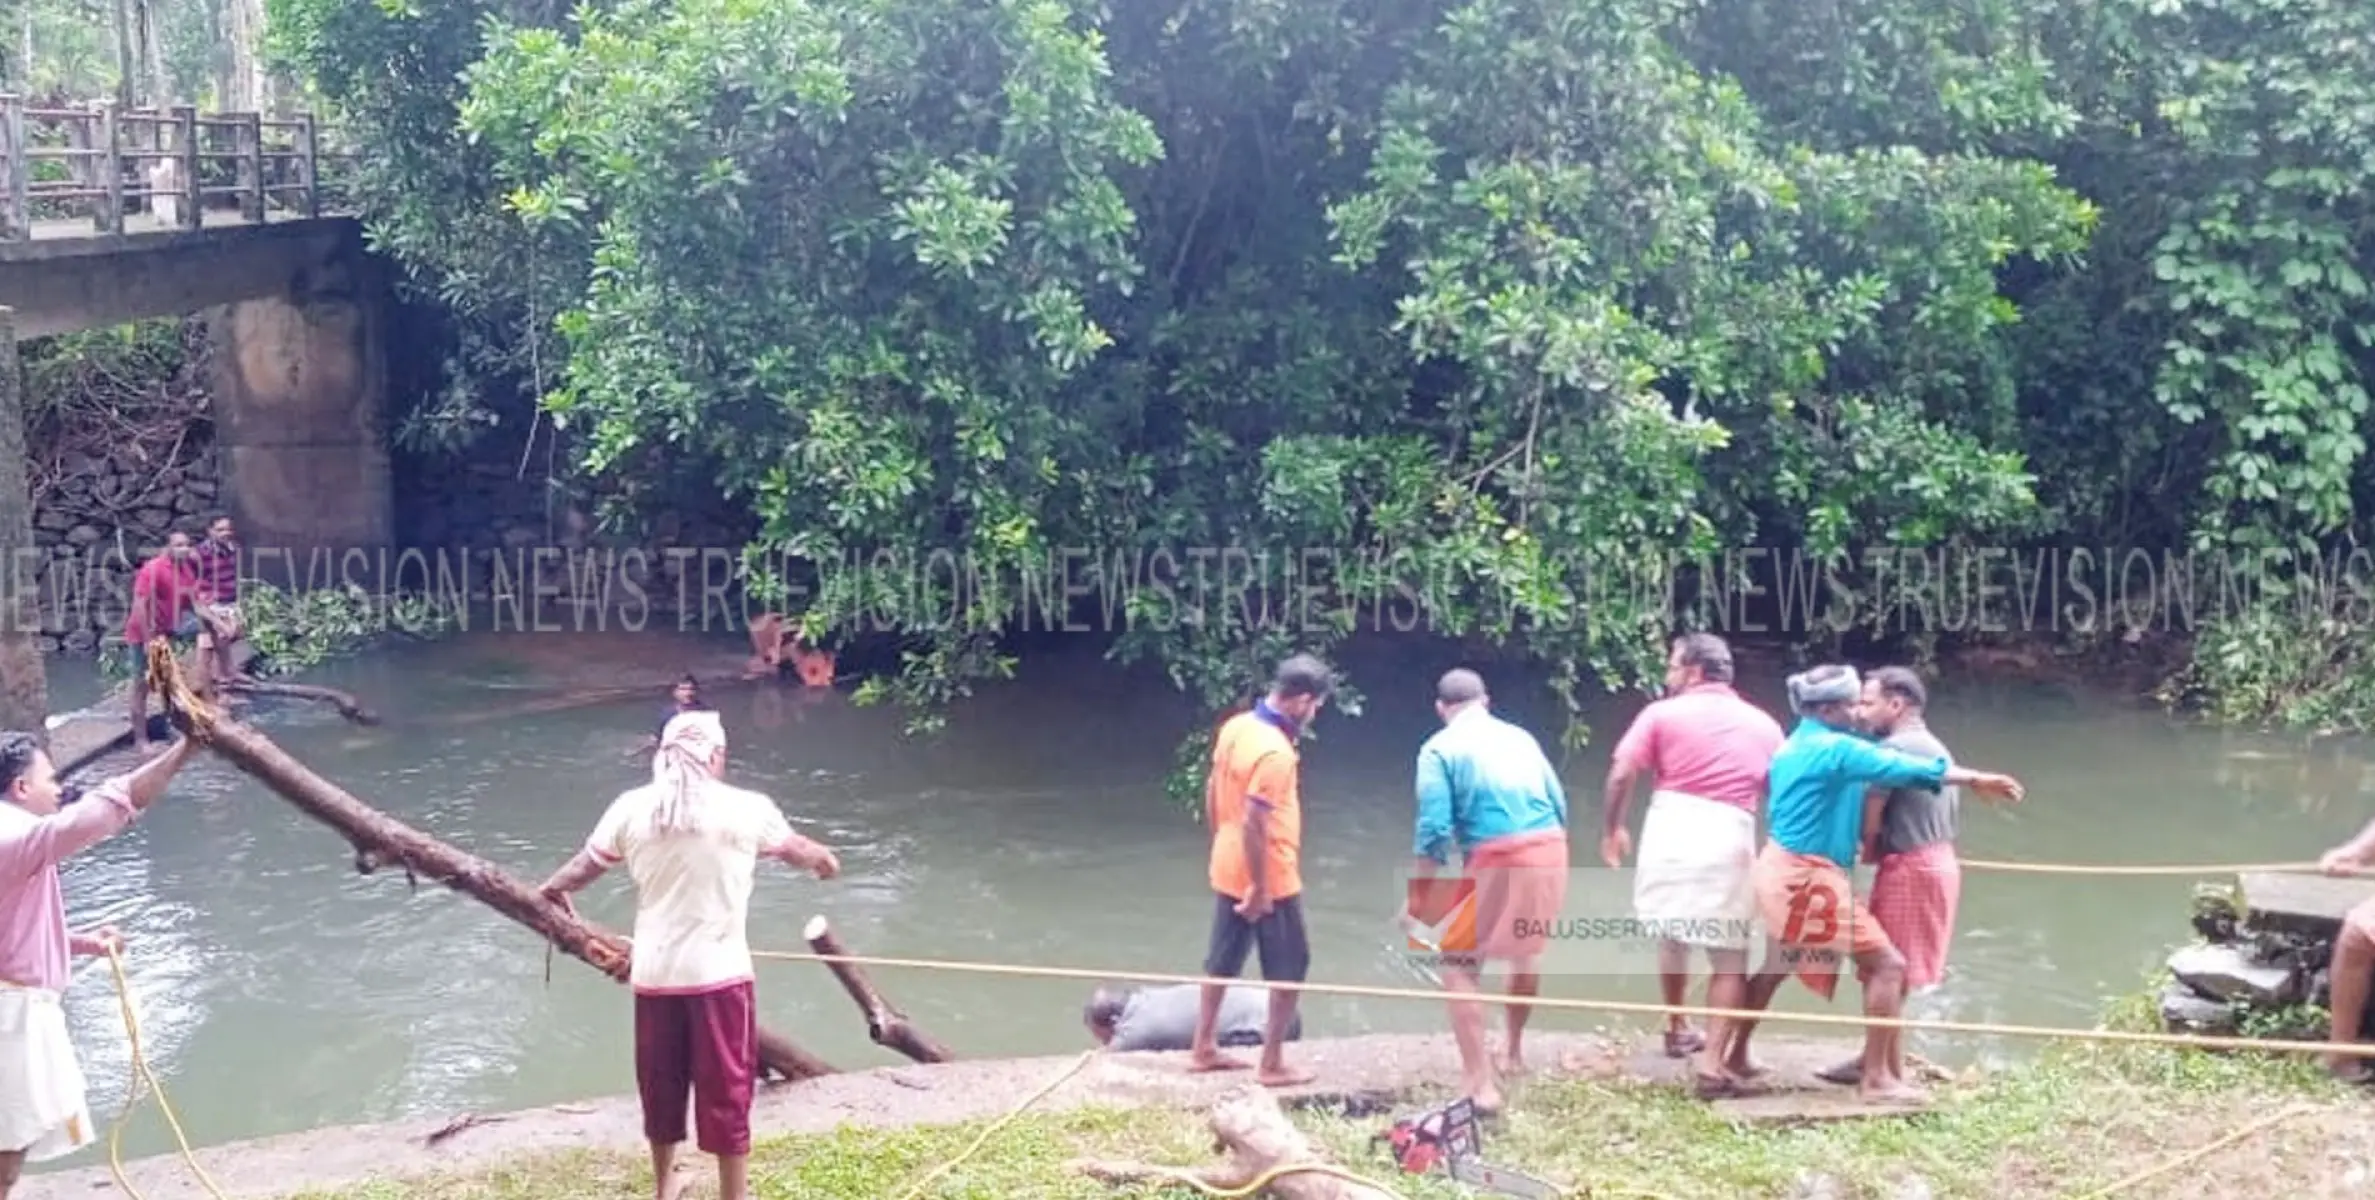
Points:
[[1449, 1137]]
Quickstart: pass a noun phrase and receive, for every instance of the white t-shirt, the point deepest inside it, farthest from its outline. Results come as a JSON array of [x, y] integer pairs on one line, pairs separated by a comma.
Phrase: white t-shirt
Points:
[[692, 890]]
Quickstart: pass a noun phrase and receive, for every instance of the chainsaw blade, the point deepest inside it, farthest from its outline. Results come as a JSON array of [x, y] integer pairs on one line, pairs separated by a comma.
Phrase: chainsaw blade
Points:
[[1500, 1179]]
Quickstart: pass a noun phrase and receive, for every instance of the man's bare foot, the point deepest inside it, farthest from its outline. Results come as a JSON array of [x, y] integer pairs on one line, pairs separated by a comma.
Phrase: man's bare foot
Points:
[[672, 1188], [2349, 1068], [1215, 1061], [1894, 1092], [1739, 1065], [1846, 1074], [1284, 1076], [1511, 1066]]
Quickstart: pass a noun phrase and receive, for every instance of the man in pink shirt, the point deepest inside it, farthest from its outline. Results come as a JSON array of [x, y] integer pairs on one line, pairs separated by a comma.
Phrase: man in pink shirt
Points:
[[42, 1113], [1707, 752], [164, 604]]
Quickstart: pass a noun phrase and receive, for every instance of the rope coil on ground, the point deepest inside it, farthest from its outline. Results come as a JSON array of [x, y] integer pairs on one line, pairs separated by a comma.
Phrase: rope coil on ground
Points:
[[1184, 1178]]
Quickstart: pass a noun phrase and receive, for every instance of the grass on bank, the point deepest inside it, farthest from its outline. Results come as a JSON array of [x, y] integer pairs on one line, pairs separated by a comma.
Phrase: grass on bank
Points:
[[2073, 1122]]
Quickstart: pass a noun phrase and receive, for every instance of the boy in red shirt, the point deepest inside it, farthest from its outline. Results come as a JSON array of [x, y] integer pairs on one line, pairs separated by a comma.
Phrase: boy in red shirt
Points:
[[164, 603]]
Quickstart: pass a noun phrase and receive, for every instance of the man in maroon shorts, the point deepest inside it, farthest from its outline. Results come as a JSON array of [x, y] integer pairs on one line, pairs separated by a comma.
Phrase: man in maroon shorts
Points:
[[691, 843]]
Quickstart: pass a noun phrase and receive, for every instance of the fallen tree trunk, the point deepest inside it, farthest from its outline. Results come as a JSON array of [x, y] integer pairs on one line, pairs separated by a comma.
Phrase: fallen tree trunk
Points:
[[381, 840], [886, 1025], [347, 706], [590, 698], [1258, 1138]]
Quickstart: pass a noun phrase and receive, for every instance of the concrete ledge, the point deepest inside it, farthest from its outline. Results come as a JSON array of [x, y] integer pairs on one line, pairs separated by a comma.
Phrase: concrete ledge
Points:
[[1362, 1073], [64, 285], [54, 240]]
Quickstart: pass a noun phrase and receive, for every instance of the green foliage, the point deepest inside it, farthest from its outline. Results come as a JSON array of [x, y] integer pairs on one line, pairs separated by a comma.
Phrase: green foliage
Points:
[[297, 631], [1496, 303], [293, 632]]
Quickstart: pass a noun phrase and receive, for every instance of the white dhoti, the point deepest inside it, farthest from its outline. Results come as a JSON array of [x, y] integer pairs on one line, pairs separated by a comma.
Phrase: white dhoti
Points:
[[1693, 882], [42, 1111]]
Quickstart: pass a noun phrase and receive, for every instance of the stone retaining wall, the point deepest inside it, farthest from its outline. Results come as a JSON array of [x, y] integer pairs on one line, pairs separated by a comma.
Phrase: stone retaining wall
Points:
[[478, 522], [98, 519]]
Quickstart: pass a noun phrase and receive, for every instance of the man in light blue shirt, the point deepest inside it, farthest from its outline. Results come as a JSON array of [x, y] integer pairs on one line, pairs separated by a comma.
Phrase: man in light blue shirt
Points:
[[1485, 787], [1804, 891]]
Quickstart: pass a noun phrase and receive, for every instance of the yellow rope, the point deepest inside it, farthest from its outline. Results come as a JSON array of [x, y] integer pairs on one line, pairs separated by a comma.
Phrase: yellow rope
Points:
[[1259, 1182], [2199, 1152], [2044, 868], [139, 1075], [1641, 1008], [1077, 1066]]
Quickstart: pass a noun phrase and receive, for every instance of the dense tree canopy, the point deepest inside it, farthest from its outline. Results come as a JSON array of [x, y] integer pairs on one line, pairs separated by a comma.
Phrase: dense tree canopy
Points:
[[1502, 294]]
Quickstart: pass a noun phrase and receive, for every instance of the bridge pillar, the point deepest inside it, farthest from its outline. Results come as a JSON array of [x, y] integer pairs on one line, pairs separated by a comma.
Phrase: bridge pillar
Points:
[[300, 390]]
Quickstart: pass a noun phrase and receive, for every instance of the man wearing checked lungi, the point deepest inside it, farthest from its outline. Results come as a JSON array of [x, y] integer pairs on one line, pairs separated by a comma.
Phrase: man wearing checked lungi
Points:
[[1910, 833], [1803, 888], [1706, 751]]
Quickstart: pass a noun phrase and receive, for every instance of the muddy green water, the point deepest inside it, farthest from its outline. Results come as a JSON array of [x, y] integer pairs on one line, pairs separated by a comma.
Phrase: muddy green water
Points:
[[281, 991]]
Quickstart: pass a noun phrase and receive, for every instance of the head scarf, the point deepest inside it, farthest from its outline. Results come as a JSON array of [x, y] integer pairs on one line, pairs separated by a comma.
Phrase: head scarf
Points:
[[1805, 693], [682, 766]]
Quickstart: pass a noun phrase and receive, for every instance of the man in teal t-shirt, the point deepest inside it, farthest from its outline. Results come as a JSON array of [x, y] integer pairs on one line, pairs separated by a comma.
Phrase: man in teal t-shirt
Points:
[[1804, 891]]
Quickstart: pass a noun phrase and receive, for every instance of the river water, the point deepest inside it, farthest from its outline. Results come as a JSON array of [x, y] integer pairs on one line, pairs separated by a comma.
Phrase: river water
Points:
[[280, 991]]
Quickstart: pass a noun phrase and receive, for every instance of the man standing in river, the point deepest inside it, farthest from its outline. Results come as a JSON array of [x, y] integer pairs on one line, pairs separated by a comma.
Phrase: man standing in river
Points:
[[1706, 751], [1252, 798], [42, 1111], [1485, 786], [1803, 887], [164, 604], [691, 843], [1910, 833]]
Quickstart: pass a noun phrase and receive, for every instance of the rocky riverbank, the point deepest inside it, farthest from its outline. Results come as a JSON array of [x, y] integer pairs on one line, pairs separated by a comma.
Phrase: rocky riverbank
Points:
[[2260, 966]]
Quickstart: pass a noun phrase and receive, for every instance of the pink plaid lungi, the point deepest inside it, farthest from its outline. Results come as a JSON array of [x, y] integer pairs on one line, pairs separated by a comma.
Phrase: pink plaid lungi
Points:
[[1914, 897]]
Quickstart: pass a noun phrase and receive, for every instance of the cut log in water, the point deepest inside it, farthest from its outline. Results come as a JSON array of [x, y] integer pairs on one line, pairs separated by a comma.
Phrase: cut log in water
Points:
[[347, 706], [1257, 1137], [886, 1025], [382, 840]]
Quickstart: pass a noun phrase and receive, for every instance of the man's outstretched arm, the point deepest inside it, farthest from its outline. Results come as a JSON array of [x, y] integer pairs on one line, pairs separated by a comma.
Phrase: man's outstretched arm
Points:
[[581, 869], [2347, 858]]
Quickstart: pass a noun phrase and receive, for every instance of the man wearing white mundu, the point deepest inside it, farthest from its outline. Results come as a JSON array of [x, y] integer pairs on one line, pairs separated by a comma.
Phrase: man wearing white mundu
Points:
[[1706, 751]]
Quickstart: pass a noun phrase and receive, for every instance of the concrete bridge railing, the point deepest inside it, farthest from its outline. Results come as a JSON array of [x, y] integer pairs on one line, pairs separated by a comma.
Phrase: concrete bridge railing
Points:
[[156, 170]]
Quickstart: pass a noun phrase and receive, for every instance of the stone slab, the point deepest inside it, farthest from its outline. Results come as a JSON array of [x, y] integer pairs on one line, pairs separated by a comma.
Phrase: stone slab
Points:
[[2310, 906]]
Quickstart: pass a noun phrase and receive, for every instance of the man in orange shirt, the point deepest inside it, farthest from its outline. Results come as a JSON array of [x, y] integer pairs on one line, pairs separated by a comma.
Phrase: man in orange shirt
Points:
[[1253, 801]]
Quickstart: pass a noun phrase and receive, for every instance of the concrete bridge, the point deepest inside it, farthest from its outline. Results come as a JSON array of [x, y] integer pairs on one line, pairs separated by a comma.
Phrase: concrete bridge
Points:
[[116, 215]]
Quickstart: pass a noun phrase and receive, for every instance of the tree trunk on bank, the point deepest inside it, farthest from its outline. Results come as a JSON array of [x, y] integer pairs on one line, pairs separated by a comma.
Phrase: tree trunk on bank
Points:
[[381, 840], [244, 84], [1254, 1132], [127, 65], [24, 683], [153, 85], [885, 1024]]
